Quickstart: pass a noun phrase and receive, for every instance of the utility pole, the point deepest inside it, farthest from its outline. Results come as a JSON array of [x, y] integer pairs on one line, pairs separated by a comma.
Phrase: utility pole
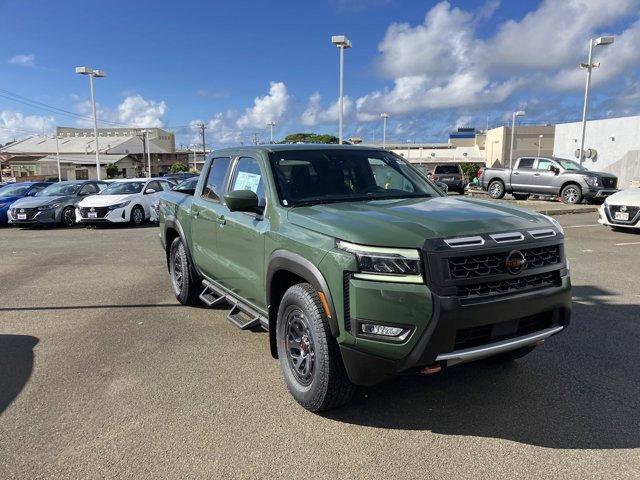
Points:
[[144, 144], [58, 157], [255, 139], [202, 126]]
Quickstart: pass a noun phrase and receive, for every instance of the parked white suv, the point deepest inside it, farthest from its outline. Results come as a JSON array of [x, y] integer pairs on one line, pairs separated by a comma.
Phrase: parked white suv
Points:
[[131, 200]]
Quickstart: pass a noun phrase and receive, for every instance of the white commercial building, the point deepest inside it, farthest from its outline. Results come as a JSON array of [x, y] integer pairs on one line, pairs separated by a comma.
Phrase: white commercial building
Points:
[[614, 145]]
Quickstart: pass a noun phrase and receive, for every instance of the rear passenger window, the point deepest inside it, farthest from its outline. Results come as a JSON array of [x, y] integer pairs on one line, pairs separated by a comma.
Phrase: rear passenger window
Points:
[[215, 179], [249, 177], [525, 164]]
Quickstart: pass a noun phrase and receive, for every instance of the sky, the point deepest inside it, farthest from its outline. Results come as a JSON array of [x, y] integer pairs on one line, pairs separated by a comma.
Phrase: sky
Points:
[[237, 65]]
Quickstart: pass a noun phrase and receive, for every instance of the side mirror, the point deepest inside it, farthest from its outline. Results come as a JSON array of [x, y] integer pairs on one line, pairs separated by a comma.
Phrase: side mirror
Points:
[[242, 201], [149, 191], [554, 169]]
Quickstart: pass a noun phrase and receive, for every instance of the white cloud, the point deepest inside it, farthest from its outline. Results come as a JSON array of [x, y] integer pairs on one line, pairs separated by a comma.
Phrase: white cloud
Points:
[[23, 60], [17, 125], [314, 114], [134, 111], [442, 63], [270, 107]]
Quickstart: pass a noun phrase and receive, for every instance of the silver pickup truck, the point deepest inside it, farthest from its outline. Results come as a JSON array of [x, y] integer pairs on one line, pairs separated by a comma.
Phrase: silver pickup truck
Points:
[[549, 176]]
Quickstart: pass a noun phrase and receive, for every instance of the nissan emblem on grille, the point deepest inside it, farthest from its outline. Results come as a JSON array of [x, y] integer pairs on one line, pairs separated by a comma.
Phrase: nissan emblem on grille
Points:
[[623, 208], [22, 210], [93, 209], [515, 262]]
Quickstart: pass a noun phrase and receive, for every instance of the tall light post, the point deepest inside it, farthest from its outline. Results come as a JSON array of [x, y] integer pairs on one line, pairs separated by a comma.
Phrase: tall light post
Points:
[[341, 42], [146, 139], [271, 124], [519, 113], [590, 65], [539, 143], [98, 74], [384, 129], [195, 157], [58, 157]]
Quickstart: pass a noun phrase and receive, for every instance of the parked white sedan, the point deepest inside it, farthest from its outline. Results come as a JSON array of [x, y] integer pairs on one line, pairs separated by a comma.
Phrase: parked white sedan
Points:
[[622, 209], [131, 200]]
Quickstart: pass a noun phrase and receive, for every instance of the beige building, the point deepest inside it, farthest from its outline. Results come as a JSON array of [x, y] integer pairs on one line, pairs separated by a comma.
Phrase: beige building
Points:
[[33, 157], [527, 140]]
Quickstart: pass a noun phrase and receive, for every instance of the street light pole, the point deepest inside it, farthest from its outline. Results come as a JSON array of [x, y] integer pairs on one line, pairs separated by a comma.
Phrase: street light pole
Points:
[[58, 158], [146, 138], [590, 65], [341, 42], [384, 129], [93, 73], [539, 143], [271, 124], [519, 113]]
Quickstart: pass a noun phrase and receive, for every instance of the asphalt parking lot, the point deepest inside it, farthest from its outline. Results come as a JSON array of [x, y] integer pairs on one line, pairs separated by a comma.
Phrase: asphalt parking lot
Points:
[[104, 375]]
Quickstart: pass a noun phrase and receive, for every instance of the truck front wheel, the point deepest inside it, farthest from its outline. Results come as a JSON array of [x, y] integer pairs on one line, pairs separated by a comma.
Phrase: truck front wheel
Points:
[[571, 194], [183, 285], [308, 354], [496, 189]]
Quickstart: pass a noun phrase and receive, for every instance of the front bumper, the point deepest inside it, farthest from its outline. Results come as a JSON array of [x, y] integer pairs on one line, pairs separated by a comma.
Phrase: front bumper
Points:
[[605, 217], [42, 217], [437, 342], [590, 192], [118, 215]]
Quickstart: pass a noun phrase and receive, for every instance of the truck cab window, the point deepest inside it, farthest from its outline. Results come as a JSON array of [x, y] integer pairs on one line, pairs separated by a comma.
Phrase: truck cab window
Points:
[[545, 164], [215, 179], [525, 164], [248, 177]]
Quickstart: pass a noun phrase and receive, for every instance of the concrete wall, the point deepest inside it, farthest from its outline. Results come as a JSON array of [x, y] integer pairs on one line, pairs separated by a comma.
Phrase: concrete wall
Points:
[[616, 141], [498, 143]]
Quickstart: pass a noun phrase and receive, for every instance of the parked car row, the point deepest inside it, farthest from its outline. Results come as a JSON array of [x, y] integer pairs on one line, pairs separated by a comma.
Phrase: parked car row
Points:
[[82, 201]]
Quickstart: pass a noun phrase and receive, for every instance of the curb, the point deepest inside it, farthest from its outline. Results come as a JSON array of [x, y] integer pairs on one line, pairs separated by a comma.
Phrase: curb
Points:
[[544, 210]]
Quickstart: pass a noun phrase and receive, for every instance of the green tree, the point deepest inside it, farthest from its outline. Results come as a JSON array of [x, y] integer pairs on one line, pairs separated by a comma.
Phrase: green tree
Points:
[[470, 170], [309, 138], [112, 171], [179, 167]]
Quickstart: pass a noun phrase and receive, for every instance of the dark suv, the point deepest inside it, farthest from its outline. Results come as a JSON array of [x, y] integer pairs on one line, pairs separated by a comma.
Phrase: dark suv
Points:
[[451, 175], [359, 267]]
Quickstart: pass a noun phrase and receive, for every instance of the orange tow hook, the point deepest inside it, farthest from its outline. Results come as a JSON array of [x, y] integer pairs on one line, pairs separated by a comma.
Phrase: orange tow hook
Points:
[[431, 369]]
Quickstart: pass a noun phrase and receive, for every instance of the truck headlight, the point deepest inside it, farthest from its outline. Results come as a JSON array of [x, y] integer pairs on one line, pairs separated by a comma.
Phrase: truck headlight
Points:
[[385, 264], [49, 206], [591, 180]]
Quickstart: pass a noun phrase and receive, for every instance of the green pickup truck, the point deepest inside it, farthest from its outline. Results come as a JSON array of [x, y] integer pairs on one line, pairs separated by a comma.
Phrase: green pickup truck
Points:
[[359, 267]]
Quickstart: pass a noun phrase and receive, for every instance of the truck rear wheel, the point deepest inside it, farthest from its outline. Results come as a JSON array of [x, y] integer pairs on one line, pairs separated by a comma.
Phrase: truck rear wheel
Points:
[[496, 189], [182, 282], [308, 354]]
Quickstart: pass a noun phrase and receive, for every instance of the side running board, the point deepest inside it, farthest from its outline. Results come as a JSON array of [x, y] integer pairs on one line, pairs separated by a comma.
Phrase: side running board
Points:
[[241, 315]]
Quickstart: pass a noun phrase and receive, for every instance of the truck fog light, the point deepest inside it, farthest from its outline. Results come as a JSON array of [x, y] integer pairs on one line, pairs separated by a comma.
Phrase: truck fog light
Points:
[[396, 333]]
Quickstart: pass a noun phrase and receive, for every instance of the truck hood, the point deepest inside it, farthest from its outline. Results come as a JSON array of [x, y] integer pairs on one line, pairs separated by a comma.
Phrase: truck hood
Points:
[[33, 202], [409, 222], [105, 200]]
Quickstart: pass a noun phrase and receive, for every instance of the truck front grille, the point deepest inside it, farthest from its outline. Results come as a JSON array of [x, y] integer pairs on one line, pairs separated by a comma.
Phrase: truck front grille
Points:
[[608, 182], [495, 264], [494, 332], [509, 285]]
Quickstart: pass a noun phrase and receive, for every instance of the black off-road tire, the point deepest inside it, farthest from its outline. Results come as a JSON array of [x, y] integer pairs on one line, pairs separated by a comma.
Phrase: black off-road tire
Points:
[[496, 189], [68, 217], [512, 355], [571, 194], [187, 287], [137, 216], [327, 385], [521, 196]]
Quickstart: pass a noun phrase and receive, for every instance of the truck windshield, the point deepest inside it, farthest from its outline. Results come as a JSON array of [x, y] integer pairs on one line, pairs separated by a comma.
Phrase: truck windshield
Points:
[[307, 177], [446, 169], [569, 164]]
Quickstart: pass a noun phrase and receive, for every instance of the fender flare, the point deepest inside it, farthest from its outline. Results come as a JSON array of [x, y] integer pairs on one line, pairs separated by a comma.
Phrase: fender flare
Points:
[[173, 222], [297, 264]]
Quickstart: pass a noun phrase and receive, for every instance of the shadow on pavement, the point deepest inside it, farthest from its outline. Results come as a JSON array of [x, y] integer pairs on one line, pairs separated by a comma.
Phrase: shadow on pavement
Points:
[[579, 391], [16, 364]]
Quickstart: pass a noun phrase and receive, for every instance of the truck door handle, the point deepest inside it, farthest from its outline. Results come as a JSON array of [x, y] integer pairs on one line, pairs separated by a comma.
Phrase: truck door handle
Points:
[[537, 174], [516, 173], [196, 213], [222, 220]]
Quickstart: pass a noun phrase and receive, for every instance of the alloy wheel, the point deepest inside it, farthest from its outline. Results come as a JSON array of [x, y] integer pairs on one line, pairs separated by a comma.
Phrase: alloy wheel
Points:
[[68, 217], [137, 216], [299, 347], [570, 195], [177, 272]]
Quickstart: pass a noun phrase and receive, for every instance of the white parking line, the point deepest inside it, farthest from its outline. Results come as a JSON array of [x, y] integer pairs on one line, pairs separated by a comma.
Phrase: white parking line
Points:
[[582, 226], [627, 243]]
